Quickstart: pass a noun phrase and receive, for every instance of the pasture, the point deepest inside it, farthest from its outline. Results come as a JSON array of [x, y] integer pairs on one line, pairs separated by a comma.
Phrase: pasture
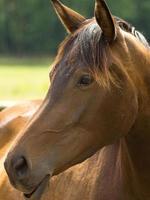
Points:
[[23, 78]]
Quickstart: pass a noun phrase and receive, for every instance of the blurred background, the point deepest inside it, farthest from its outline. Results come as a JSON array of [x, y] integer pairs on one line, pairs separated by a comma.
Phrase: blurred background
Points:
[[29, 36]]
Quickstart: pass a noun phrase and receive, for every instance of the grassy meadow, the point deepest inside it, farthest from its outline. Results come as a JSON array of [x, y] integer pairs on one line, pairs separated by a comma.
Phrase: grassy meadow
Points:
[[23, 78]]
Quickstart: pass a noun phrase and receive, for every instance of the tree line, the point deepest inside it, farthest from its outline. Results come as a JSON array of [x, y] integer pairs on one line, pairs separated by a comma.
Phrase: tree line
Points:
[[31, 26]]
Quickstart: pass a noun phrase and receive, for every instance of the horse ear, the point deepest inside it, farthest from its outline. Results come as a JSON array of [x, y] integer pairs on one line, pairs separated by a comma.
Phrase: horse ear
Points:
[[105, 20], [70, 19]]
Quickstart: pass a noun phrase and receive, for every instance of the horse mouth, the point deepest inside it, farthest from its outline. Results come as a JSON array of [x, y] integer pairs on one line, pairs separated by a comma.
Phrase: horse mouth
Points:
[[37, 193]]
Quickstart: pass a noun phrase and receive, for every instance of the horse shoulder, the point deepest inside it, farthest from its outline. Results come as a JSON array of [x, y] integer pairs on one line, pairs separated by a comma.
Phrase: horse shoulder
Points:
[[12, 120]]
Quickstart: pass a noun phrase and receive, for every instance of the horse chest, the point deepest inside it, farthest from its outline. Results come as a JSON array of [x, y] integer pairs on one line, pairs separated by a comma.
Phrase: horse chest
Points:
[[101, 177]]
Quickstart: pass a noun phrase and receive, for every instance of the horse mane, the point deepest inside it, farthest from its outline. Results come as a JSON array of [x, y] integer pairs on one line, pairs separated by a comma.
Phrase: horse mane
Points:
[[124, 25], [88, 45]]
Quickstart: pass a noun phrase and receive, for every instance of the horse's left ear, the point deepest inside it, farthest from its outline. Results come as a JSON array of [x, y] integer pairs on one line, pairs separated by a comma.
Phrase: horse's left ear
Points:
[[105, 20], [70, 19]]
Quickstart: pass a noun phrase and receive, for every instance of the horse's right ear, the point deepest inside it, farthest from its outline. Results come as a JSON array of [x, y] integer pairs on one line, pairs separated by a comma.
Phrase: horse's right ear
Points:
[[105, 20], [70, 19]]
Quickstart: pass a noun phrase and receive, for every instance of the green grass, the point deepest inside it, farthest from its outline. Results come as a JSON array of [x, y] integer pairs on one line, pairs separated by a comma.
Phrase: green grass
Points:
[[24, 78]]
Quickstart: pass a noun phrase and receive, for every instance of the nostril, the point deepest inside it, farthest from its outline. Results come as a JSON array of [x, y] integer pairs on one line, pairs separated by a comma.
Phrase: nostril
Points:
[[20, 167]]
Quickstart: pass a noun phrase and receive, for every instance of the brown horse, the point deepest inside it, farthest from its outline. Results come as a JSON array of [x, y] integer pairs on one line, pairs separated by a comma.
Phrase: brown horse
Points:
[[12, 120], [78, 181], [98, 101]]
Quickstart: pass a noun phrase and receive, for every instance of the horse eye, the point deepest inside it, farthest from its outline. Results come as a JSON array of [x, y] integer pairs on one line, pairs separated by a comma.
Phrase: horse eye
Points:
[[85, 80]]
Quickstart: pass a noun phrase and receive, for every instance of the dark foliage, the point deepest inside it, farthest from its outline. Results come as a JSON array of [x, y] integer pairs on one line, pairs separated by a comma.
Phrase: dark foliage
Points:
[[31, 26]]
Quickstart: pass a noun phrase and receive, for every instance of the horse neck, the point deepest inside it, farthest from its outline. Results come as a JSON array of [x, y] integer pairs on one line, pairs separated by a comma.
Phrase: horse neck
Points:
[[139, 61], [141, 79], [135, 150], [138, 140]]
